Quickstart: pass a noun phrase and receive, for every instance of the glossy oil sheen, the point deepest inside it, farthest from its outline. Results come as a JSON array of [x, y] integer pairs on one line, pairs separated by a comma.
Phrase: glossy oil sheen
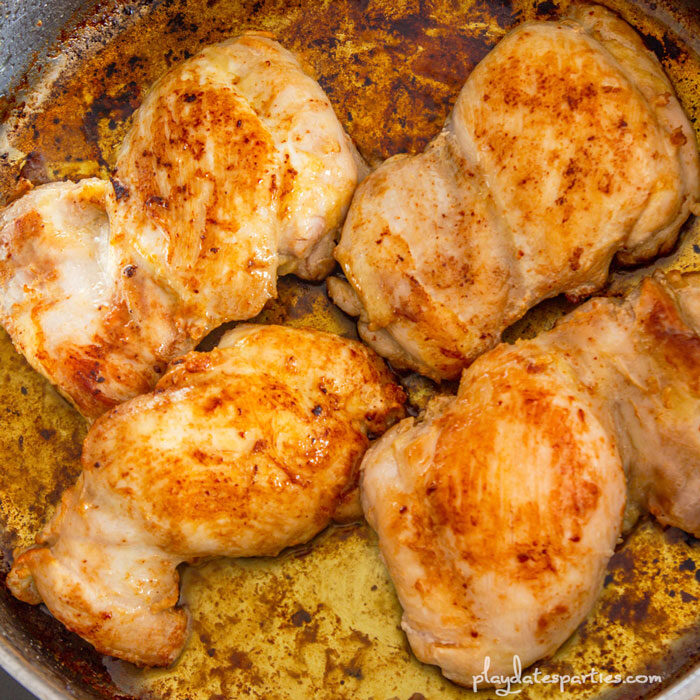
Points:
[[320, 621]]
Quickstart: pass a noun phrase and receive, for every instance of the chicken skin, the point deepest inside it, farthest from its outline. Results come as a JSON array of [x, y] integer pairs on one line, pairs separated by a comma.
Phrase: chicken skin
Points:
[[566, 148], [62, 303], [242, 451], [235, 170], [497, 512]]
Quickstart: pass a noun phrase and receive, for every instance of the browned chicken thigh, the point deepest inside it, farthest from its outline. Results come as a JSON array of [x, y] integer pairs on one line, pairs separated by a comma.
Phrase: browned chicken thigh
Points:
[[61, 303], [242, 451], [235, 170], [566, 148], [498, 511]]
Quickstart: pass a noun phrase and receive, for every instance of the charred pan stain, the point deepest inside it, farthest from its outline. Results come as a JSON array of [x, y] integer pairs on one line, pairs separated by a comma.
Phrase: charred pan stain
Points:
[[623, 561], [674, 535], [630, 611], [301, 617], [353, 671], [503, 12], [114, 109], [239, 659], [664, 48], [34, 168], [178, 23], [546, 8]]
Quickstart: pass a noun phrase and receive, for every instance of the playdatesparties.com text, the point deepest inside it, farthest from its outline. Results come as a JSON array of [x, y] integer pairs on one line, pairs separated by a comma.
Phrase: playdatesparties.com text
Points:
[[505, 684]]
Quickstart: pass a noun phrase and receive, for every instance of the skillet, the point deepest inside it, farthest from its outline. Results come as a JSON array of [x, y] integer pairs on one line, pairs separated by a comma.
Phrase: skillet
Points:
[[321, 621]]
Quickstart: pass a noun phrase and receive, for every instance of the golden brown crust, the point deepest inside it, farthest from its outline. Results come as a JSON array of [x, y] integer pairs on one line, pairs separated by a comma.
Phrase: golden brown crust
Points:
[[64, 309], [242, 451], [566, 148], [195, 207], [235, 166], [498, 511], [669, 339]]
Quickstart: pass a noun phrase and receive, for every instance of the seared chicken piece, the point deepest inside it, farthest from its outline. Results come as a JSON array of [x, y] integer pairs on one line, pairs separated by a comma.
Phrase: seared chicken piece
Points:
[[566, 147], [242, 451], [497, 512], [235, 169], [63, 305]]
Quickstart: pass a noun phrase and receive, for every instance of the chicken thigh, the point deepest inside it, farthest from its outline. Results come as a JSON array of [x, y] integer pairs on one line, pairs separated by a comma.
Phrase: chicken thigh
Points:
[[242, 451], [235, 170], [566, 147], [498, 511], [63, 305]]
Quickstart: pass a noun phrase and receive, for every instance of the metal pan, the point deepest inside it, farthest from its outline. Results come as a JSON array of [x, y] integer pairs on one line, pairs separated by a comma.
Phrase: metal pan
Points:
[[320, 621]]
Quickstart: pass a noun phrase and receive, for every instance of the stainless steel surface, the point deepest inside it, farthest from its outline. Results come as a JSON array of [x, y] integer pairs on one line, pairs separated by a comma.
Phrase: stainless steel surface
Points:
[[33, 648], [10, 689], [28, 31]]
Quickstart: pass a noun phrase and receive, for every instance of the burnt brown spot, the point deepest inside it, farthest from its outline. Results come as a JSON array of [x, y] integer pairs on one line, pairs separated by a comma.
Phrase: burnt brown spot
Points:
[[34, 168], [678, 137], [156, 201], [120, 191], [552, 617], [353, 672], [239, 659], [212, 403], [628, 609], [575, 259], [664, 48], [546, 8], [301, 617], [107, 108], [623, 561]]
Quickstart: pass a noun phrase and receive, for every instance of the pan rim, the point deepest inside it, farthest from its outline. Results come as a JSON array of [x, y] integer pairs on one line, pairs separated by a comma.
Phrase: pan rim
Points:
[[22, 670], [45, 683]]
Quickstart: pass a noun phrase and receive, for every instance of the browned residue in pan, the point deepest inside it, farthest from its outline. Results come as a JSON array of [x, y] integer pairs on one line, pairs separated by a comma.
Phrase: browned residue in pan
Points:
[[322, 620]]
